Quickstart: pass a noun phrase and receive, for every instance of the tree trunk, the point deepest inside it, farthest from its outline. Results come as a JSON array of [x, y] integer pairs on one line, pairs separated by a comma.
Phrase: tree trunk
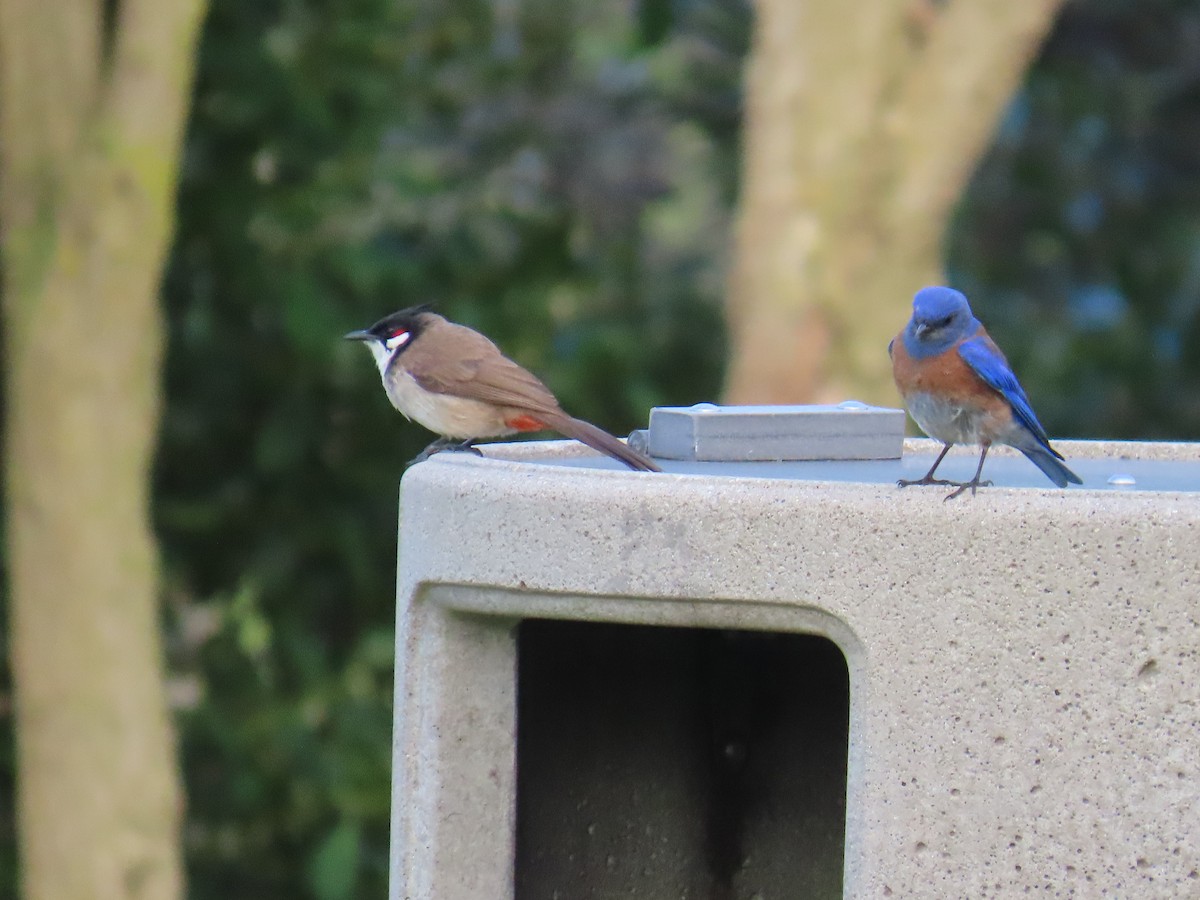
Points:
[[862, 129], [92, 110]]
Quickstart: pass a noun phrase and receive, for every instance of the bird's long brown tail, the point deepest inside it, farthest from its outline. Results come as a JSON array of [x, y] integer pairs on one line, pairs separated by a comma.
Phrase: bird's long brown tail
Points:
[[599, 439]]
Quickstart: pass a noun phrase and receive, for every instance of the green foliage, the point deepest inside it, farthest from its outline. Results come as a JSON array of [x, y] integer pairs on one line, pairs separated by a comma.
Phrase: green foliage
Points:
[[334, 868]]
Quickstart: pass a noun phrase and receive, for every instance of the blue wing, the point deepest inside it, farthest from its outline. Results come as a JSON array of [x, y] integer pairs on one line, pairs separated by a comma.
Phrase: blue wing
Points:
[[989, 364]]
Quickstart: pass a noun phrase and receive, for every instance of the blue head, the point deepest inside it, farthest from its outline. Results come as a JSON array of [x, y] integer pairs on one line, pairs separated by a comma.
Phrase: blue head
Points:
[[941, 318]]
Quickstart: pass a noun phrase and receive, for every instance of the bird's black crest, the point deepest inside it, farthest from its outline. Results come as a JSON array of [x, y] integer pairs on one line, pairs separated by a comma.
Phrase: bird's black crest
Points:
[[403, 320]]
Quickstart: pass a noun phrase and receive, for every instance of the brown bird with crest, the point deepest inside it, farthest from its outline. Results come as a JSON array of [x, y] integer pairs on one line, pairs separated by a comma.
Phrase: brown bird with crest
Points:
[[458, 384]]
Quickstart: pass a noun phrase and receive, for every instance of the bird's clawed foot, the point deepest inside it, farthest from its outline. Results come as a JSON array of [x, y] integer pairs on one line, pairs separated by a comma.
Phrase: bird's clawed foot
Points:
[[910, 482], [441, 444], [962, 486], [928, 478], [436, 447]]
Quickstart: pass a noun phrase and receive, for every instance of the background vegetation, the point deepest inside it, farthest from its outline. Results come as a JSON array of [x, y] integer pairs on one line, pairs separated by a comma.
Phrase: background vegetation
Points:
[[561, 175]]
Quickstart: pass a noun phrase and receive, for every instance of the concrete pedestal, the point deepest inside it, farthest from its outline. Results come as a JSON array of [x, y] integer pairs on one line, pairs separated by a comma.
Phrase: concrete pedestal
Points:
[[1023, 669]]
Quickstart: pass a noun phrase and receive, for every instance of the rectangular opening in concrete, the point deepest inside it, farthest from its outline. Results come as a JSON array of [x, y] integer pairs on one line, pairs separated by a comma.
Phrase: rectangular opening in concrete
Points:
[[679, 762]]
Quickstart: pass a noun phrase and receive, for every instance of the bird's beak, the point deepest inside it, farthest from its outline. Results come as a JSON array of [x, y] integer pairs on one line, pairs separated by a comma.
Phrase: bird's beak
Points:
[[919, 330], [359, 335]]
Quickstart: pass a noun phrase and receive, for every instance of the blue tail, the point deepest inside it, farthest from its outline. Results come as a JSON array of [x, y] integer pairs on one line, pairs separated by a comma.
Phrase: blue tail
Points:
[[1050, 463]]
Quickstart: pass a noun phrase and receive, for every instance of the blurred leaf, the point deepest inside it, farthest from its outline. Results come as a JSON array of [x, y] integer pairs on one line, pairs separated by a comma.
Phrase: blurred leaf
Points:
[[250, 625], [334, 868]]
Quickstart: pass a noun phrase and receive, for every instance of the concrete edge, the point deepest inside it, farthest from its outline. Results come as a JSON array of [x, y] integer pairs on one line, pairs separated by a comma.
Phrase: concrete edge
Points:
[[533, 451]]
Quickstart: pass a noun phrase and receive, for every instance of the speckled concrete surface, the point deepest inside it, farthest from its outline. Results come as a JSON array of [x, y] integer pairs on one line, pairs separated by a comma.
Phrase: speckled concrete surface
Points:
[[1024, 664]]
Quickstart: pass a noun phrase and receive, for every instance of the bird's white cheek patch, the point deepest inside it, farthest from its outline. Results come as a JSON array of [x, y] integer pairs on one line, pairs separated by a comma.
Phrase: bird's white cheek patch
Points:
[[399, 339], [381, 354]]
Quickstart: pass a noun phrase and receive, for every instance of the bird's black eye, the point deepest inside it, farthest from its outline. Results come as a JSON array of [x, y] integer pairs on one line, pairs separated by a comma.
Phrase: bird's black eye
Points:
[[939, 324]]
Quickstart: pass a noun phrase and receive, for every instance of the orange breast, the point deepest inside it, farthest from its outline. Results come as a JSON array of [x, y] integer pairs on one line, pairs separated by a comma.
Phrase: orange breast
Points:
[[946, 375]]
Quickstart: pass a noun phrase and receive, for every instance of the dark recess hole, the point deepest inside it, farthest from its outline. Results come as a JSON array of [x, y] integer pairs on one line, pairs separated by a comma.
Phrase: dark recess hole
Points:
[[676, 762]]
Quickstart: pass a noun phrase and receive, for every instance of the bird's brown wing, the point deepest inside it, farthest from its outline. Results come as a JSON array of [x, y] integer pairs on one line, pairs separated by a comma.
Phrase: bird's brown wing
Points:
[[456, 360]]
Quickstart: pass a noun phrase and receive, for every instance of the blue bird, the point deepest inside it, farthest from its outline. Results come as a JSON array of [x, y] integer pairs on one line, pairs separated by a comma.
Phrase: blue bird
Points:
[[959, 388]]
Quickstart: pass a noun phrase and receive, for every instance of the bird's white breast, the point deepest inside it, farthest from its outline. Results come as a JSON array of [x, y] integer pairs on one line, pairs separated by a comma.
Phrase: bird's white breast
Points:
[[455, 417]]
